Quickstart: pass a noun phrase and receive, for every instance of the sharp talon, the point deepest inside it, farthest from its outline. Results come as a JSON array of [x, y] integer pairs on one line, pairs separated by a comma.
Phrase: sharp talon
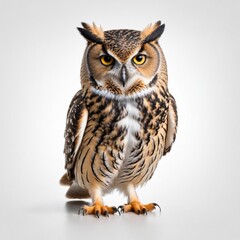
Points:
[[119, 212], [144, 211], [106, 214], [116, 210], [82, 210], [156, 205], [97, 214], [121, 209]]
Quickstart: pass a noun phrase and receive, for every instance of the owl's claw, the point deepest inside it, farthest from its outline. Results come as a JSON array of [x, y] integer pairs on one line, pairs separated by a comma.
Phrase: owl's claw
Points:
[[138, 208], [106, 214], [116, 210], [144, 211], [82, 210], [120, 209], [97, 209], [156, 205], [97, 214]]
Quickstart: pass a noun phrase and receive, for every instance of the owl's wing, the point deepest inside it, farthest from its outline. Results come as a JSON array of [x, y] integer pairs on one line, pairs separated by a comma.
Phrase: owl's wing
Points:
[[172, 123], [77, 117]]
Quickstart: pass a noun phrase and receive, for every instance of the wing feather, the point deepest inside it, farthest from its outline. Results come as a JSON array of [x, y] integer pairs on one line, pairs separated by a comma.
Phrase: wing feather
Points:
[[172, 124], [76, 122]]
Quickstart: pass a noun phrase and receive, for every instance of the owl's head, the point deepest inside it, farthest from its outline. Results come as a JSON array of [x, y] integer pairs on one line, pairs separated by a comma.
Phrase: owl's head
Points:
[[121, 63]]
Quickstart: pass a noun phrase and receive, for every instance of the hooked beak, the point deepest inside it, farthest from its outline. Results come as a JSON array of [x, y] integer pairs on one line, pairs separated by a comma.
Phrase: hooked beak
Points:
[[123, 75]]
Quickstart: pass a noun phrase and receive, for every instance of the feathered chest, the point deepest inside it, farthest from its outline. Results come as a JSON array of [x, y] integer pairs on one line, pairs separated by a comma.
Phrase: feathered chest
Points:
[[121, 124], [119, 134]]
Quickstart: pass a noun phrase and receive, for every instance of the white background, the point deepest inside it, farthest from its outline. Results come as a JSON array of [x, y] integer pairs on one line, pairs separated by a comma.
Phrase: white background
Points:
[[197, 184]]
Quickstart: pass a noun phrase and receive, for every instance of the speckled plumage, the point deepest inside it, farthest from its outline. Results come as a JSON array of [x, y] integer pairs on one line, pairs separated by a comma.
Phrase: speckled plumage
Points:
[[117, 132], [122, 41]]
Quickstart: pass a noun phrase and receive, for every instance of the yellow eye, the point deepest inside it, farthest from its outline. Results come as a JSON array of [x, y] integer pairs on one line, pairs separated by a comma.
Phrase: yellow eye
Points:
[[106, 60], [139, 59]]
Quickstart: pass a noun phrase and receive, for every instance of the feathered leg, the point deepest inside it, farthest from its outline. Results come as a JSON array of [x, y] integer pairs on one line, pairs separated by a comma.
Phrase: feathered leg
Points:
[[97, 208], [134, 205]]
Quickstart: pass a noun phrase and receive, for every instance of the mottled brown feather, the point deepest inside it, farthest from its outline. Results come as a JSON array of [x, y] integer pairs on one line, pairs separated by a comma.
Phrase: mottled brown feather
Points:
[[101, 162]]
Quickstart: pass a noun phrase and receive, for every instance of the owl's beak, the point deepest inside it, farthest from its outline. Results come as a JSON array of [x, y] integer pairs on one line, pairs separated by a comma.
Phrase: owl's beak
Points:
[[123, 75]]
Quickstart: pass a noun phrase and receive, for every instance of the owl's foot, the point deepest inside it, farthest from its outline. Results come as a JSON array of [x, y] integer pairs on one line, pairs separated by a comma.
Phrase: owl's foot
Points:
[[97, 209], [138, 208]]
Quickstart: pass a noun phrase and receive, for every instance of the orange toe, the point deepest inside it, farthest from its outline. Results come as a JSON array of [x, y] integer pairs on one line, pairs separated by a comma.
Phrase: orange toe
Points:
[[138, 208], [97, 209]]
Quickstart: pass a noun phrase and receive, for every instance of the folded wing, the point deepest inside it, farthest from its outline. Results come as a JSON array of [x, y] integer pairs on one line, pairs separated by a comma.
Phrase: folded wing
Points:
[[171, 124]]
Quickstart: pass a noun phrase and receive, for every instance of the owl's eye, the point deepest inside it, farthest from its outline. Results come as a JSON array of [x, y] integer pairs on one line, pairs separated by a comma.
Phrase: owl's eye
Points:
[[106, 60], [139, 59]]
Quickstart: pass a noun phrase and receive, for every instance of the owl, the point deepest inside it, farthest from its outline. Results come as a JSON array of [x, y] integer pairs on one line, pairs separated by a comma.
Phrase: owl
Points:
[[122, 120]]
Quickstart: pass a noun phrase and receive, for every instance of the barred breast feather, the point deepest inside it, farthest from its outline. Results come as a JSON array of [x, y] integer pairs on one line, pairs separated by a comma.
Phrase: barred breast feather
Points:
[[111, 142]]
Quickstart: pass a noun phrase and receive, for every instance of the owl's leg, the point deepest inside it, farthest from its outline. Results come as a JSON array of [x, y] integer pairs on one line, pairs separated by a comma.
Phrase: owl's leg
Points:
[[97, 208], [134, 205]]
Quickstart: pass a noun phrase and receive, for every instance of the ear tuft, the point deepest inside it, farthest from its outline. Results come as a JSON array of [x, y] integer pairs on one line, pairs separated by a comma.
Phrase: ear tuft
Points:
[[98, 31], [86, 26], [92, 33], [152, 32]]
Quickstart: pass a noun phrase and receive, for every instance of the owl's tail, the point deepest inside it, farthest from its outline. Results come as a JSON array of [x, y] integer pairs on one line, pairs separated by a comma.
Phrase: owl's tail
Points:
[[74, 191], [65, 180]]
